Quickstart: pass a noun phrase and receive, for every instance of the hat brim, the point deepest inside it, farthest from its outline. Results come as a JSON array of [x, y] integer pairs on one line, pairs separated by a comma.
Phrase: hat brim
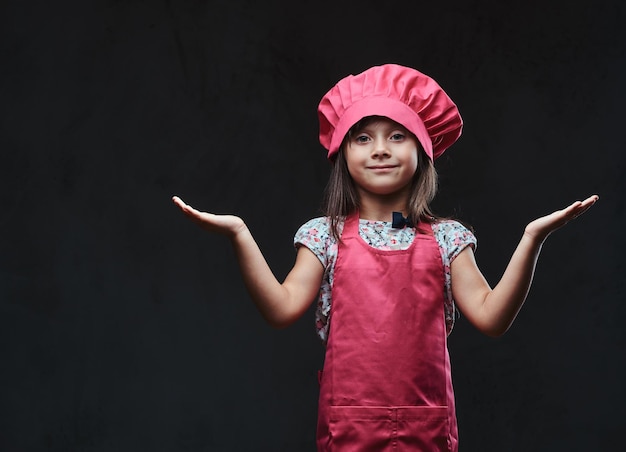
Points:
[[381, 106]]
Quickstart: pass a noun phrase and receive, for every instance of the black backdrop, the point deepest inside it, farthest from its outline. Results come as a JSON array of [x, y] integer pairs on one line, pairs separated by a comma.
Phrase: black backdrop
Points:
[[124, 327]]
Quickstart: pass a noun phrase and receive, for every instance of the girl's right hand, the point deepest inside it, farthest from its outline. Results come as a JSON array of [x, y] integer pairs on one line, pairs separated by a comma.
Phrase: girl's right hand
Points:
[[281, 304], [228, 225]]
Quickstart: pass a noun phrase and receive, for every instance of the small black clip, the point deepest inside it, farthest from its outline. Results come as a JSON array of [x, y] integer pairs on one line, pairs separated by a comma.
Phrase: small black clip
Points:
[[399, 222]]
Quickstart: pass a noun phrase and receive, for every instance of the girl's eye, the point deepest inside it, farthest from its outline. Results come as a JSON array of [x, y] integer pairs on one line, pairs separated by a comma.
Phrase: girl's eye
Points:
[[361, 139], [397, 136]]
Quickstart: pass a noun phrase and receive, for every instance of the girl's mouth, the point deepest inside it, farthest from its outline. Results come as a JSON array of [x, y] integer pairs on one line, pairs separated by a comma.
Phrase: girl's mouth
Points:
[[381, 168]]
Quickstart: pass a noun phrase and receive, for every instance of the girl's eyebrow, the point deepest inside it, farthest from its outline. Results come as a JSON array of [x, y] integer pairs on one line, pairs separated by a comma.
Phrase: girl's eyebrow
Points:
[[386, 130]]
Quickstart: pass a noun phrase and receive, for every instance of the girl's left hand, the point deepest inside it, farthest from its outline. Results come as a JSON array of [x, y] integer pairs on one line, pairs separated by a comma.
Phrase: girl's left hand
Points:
[[544, 226]]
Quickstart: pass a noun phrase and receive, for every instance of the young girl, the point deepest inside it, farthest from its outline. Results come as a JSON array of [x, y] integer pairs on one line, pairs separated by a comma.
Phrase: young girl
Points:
[[387, 273]]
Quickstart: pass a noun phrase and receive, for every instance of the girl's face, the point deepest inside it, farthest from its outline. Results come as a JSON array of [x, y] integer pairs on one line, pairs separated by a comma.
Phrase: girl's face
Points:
[[382, 157]]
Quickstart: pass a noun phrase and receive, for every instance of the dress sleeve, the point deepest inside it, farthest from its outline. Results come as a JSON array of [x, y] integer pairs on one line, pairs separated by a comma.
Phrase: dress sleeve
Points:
[[456, 238], [452, 238], [314, 234]]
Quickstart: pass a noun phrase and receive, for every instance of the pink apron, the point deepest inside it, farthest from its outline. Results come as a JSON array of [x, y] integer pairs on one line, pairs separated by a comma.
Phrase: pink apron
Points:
[[386, 384]]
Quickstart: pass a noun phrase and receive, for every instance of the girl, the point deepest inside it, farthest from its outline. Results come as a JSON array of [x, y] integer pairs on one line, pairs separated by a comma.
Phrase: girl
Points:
[[387, 273]]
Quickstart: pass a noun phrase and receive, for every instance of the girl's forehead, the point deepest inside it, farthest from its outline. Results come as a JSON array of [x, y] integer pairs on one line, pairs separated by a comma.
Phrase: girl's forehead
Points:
[[376, 121]]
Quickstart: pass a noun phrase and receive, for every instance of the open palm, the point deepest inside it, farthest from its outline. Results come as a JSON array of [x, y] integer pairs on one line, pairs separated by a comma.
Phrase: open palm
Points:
[[227, 225], [544, 226]]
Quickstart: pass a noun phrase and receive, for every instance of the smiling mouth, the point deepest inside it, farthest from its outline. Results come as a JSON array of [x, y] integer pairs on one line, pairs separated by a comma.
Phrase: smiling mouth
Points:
[[382, 167]]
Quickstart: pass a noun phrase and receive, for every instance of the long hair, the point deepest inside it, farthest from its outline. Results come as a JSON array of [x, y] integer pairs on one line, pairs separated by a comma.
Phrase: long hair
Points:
[[341, 197]]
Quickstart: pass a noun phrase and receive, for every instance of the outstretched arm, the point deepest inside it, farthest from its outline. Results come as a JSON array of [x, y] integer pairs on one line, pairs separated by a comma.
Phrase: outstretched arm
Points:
[[492, 311], [280, 304]]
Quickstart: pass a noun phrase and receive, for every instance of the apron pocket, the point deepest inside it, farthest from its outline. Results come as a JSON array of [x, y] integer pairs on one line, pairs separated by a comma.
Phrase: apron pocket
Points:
[[423, 429], [359, 428]]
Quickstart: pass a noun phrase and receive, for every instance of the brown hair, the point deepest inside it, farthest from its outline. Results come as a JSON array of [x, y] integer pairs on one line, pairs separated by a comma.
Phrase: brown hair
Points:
[[341, 197]]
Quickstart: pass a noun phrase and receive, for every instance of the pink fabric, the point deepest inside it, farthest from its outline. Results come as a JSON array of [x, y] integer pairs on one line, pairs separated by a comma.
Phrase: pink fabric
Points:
[[400, 93], [386, 383]]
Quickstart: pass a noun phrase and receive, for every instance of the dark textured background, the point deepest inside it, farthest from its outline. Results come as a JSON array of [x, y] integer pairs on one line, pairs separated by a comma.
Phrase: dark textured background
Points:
[[124, 327]]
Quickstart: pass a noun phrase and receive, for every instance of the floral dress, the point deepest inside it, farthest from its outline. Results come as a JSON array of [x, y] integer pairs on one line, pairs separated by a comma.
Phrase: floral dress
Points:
[[452, 238]]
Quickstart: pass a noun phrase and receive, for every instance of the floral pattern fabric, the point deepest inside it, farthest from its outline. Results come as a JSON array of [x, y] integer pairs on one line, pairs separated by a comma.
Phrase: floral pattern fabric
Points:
[[451, 236]]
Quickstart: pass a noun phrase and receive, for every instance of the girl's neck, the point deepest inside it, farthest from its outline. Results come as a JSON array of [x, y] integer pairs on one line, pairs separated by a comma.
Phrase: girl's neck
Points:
[[379, 207]]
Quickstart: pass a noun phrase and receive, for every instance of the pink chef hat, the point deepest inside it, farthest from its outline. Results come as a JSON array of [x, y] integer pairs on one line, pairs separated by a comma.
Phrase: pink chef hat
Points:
[[402, 94]]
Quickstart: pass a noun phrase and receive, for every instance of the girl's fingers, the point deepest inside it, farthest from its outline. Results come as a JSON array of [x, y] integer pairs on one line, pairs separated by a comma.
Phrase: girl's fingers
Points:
[[580, 207], [179, 202], [186, 208], [544, 226]]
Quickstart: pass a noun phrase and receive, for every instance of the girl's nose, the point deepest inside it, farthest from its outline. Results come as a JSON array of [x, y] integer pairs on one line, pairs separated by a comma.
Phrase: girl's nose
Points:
[[380, 149], [379, 152]]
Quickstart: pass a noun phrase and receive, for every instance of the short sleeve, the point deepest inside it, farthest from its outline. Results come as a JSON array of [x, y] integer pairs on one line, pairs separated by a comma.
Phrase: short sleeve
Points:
[[315, 235], [454, 238]]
